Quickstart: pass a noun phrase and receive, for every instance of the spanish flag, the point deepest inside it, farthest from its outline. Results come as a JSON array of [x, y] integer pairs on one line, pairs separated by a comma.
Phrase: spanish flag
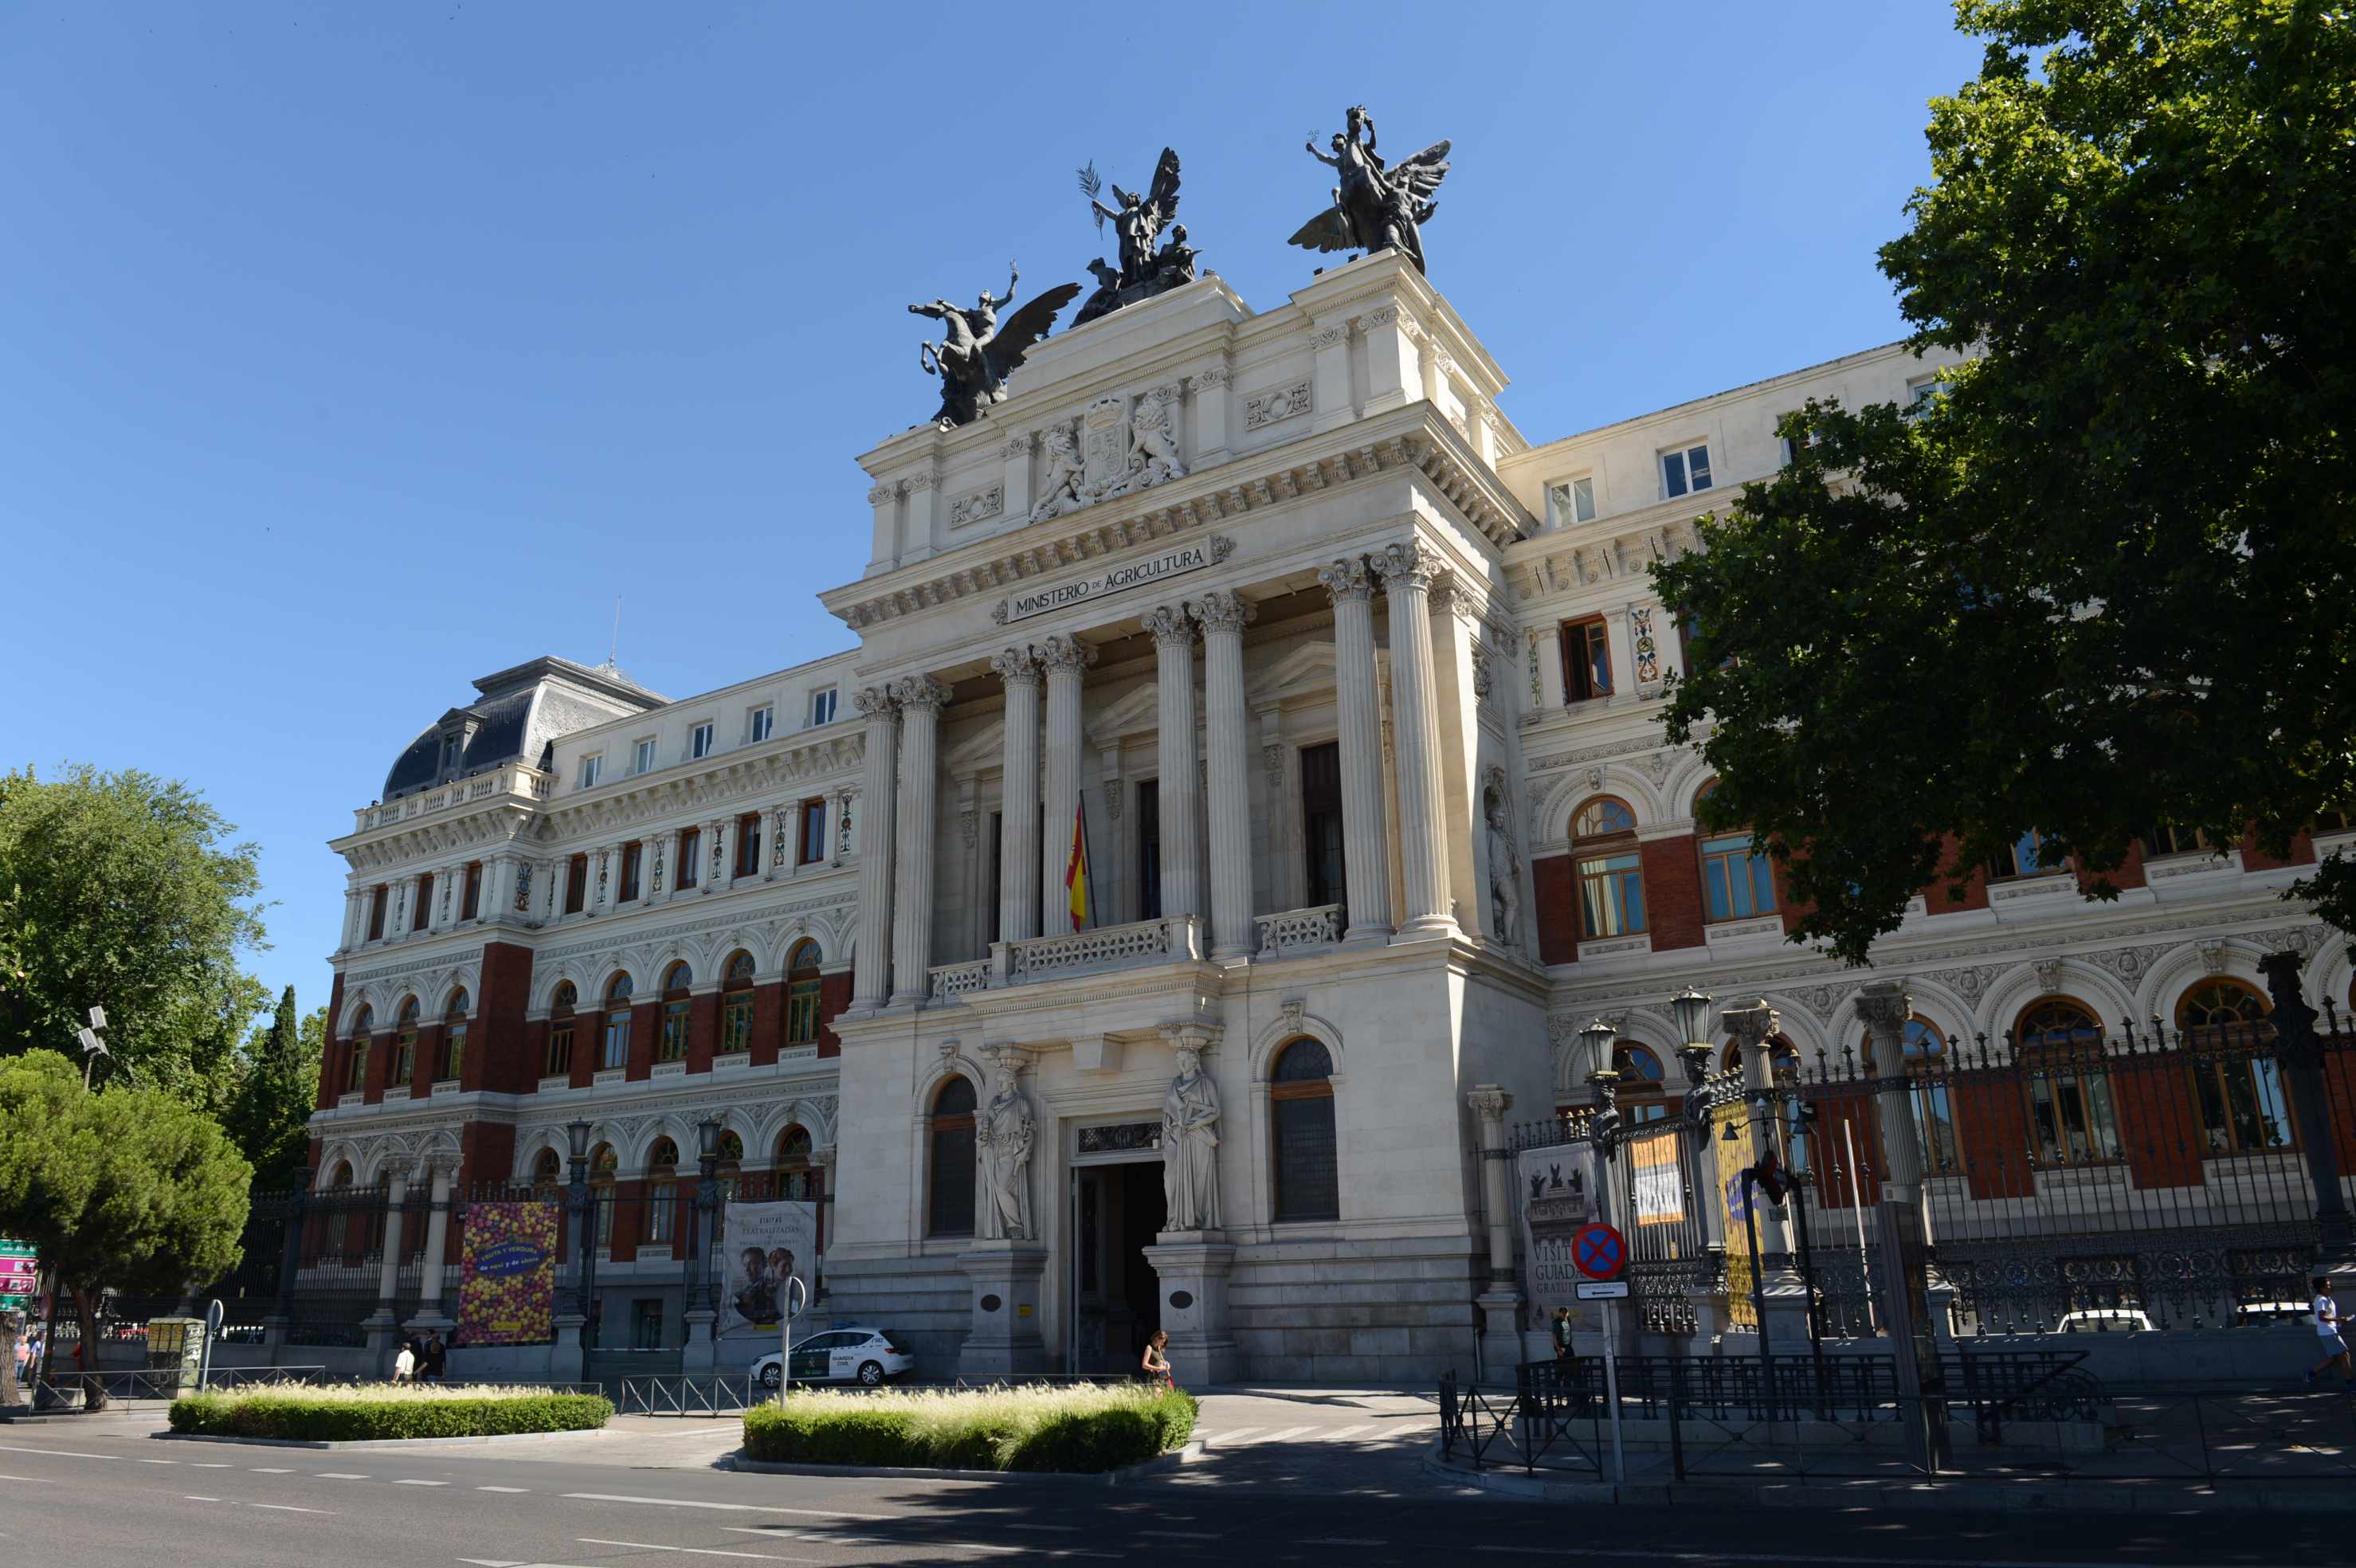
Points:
[[1076, 870]]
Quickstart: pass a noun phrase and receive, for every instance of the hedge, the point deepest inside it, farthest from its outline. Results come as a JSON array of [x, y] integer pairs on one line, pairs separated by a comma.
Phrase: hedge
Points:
[[1076, 1428], [362, 1413]]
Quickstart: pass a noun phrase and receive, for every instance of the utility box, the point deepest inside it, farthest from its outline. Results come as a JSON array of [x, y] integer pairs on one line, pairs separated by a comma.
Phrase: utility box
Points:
[[177, 1344]]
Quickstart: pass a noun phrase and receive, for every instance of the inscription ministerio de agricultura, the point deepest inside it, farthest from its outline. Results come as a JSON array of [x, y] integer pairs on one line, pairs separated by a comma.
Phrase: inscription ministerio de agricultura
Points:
[[1170, 562]]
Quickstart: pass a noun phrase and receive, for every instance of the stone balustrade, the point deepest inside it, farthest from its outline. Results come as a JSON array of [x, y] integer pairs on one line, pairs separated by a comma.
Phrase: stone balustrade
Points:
[[1292, 931], [1172, 938], [951, 980], [512, 778]]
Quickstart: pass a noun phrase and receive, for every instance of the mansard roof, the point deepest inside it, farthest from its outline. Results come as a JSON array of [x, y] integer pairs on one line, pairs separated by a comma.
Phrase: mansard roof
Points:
[[520, 712]]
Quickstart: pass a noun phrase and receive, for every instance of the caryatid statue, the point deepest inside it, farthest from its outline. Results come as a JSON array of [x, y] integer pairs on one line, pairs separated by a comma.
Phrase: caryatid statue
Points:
[[1004, 1134], [1376, 206], [1190, 1143]]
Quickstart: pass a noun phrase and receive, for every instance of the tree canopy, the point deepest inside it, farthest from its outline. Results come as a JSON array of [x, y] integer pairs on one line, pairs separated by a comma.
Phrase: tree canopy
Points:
[[269, 1111], [2099, 584], [121, 890]]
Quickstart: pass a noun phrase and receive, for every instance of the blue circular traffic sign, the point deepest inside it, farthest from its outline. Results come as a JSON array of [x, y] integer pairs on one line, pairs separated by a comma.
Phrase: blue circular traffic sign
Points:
[[1598, 1252]]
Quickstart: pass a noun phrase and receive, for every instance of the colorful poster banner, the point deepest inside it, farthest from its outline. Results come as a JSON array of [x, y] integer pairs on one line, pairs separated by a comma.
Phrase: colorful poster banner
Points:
[[1658, 1176], [507, 1274], [1554, 1206], [20, 1273], [763, 1245], [1732, 1156]]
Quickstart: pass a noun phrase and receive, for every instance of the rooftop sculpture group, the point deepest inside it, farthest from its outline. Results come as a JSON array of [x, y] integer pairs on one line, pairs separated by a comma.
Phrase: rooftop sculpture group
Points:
[[1377, 206]]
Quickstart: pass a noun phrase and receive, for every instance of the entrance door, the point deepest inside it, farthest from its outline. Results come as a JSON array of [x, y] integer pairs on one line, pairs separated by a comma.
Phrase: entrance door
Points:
[[1116, 1212]]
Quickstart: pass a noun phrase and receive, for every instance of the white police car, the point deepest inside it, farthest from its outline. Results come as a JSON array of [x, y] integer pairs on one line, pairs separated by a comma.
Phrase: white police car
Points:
[[868, 1356]]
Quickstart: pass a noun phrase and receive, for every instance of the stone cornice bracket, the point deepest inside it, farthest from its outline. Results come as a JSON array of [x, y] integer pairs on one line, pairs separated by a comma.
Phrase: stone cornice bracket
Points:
[[1060, 652], [1329, 337], [1211, 377], [1194, 1036], [1347, 579], [1016, 664], [1373, 320], [874, 701], [921, 481], [1751, 1025], [882, 493], [1168, 626], [1020, 446], [1412, 564], [1223, 609], [919, 692], [1010, 1058]]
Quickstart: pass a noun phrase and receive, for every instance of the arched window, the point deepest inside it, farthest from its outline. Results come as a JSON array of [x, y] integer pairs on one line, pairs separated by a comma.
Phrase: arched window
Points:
[[603, 1164], [736, 1004], [1736, 882], [617, 1023], [2022, 857], [546, 1170], [356, 1052], [795, 1177], [801, 993], [1301, 1103], [2071, 1120], [2243, 1110], [1610, 877], [663, 1191], [559, 1059], [950, 1211], [405, 1044], [453, 1035], [672, 1044], [1642, 1092]]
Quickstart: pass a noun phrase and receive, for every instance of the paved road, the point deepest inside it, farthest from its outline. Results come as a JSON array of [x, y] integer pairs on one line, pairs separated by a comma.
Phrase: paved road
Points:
[[1293, 1477]]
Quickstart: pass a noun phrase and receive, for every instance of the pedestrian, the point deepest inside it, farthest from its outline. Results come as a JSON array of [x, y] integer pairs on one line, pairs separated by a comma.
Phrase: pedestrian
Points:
[[1562, 1334], [2327, 1333], [437, 1356], [405, 1365], [1156, 1364]]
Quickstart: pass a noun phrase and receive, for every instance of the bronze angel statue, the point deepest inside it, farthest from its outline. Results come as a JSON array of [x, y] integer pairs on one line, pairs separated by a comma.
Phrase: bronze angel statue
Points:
[[1139, 222], [976, 354], [1377, 206]]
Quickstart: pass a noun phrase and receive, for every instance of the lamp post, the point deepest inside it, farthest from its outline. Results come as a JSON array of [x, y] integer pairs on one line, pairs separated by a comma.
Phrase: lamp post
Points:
[[1691, 1007], [707, 1199], [93, 1048], [577, 1199], [1597, 1037]]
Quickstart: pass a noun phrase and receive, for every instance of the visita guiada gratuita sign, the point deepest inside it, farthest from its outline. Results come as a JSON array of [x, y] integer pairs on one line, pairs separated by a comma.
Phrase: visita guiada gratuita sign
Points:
[[1172, 561]]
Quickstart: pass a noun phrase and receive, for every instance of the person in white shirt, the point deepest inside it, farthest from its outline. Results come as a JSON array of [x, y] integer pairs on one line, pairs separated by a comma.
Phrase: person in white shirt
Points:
[[404, 1366], [2327, 1333]]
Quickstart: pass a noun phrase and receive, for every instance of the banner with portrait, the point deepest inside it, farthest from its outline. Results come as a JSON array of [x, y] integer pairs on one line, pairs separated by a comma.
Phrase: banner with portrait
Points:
[[1554, 1206], [1656, 1177], [507, 1274], [762, 1246]]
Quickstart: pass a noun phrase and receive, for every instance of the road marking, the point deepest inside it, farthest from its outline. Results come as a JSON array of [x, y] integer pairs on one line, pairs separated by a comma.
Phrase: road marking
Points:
[[693, 1550], [1284, 1433], [57, 1453], [502, 1489], [159, 1461], [725, 1507], [339, 1476], [421, 1483], [271, 1470], [1183, 1534], [1066, 1529], [287, 1508], [1346, 1432], [201, 1465], [1810, 1557], [191, 1497], [1237, 1435], [772, 1533]]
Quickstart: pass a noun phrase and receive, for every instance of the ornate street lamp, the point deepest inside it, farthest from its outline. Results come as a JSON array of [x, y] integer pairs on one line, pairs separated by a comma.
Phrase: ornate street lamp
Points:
[[1692, 1007], [576, 1194], [707, 1160], [1597, 1037]]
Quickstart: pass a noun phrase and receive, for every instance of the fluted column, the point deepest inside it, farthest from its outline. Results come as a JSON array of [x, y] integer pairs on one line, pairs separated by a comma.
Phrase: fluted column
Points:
[[1182, 855], [873, 970], [1885, 1008], [1363, 861], [1018, 816], [1223, 617], [1754, 1028], [1407, 572], [1065, 660], [920, 698]]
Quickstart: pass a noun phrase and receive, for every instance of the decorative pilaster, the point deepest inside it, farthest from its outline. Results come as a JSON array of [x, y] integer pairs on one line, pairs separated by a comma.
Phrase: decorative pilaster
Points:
[[1210, 386], [1066, 661], [1223, 617], [1500, 1302], [1360, 712], [1407, 572], [878, 818], [1173, 648], [921, 698], [1018, 817]]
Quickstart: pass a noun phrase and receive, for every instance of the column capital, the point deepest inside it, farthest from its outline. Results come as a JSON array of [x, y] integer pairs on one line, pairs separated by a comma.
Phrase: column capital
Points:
[[1751, 1025], [874, 701], [1884, 1003], [1489, 1103], [1410, 565], [919, 692], [1016, 665], [1223, 609], [1021, 445], [1348, 580], [1169, 626], [1059, 654], [1192, 1036]]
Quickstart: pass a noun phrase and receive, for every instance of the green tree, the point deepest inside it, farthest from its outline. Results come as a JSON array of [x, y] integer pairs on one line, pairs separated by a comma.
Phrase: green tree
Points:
[[122, 890], [2100, 583], [269, 1112], [122, 1190]]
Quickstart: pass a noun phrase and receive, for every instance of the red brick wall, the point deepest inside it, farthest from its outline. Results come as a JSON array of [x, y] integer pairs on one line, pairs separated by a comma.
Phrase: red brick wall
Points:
[[331, 1053], [1556, 889], [503, 1054], [588, 1045], [1672, 891], [2128, 874], [1991, 1134], [646, 1019], [702, 1030], [1934, 895], [1794, 911], [380, 1058], [486, 1153], [2158, 1119], [768, 1023], [2302, 852], [833, 997], [428, 1062], [1846, 1122], [630, 1212]]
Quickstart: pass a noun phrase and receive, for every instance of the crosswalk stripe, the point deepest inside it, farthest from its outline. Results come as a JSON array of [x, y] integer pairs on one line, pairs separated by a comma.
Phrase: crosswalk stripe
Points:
[[1237, 1435], [1346, 1432], [1282, 1433]]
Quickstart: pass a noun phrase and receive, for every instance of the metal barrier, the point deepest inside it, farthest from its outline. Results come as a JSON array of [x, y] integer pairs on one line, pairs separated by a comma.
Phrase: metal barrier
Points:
[[718, 1394]]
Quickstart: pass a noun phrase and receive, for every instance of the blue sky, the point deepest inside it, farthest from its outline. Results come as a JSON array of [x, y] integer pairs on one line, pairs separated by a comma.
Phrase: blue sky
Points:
[[351, 352]]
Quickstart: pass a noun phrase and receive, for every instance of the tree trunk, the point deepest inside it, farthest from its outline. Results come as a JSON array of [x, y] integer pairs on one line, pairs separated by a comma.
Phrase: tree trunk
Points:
[[93, 1397]]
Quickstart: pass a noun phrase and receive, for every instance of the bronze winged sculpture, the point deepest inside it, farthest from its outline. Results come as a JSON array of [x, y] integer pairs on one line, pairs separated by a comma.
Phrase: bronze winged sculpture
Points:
[[1138, 220], [977, 353], [1376, 206]]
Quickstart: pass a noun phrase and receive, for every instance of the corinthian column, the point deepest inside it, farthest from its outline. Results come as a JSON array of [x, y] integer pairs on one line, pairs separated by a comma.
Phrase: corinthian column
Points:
[[1173, 679], [1018, 819], [1886, 1008], [1407, 572], [920, 698], [1352, 588], [874, 968], [1223, 616], [1064, 659]]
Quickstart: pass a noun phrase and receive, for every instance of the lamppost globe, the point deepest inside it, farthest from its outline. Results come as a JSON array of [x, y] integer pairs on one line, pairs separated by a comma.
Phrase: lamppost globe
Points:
[[707, 1136], [1692, 1007], [1597, 1037], [578, 1132]]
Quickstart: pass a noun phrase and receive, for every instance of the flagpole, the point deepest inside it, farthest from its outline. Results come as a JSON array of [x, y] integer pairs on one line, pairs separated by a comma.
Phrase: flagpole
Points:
[[1087, 858]]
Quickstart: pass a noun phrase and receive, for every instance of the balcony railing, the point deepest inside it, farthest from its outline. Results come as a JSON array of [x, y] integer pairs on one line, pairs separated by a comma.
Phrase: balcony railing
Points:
[[951, 980], [513, 779], [1172, 938], [1291, 930]]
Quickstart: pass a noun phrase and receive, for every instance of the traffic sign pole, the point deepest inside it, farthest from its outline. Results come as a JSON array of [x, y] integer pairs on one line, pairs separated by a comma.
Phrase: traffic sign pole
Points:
[[1598, 1252]]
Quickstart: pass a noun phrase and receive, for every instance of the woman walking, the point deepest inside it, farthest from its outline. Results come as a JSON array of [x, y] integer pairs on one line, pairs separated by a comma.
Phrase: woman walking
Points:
[[1156, 1364]]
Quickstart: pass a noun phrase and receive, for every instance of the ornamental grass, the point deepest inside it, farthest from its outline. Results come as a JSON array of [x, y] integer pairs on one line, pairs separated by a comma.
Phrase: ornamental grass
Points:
[[1075, 1427], [359, 1412]]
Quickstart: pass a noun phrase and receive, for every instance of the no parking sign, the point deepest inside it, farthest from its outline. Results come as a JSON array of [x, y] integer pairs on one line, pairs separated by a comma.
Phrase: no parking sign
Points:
[[1598, 1252]]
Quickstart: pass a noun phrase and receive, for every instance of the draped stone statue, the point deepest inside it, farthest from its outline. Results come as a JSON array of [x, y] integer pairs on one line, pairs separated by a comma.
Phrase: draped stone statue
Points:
[[1190, 1145], [1504, 875], [1003, 1137]]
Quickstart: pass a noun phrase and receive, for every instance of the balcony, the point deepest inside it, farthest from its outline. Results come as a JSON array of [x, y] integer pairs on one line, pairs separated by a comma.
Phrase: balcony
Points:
[[512, 779], [1141, 944], [1296, 930]]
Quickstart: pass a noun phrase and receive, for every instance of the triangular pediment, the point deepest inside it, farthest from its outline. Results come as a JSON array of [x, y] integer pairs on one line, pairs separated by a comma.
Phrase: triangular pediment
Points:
[[1306, 672], [986, 748], [1138, 712]]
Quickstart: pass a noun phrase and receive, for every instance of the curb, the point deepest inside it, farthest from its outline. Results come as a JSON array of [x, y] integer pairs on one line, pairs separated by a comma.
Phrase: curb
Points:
[[357, 1444], [1154, 1466], [2082, 1495]]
